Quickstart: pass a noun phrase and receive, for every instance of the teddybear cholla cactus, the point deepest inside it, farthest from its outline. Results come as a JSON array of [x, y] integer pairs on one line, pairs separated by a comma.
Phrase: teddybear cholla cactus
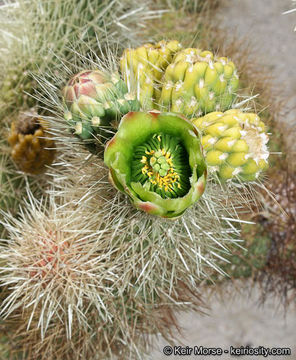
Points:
[[143, 68], [94, 100], [197, 82], [32, 148], [156, 159], [234, 143]]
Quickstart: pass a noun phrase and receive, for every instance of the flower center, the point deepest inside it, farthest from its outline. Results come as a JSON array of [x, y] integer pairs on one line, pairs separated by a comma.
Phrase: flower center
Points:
[[162, 165]]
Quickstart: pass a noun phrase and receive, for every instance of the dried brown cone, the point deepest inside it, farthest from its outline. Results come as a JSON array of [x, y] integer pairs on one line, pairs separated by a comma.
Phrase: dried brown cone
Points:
[[32, 147]]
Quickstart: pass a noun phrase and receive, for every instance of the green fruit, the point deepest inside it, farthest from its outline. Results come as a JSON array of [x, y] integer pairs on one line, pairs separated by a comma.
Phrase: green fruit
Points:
[[143, 69], [234, 143], [156, 159], [197, 82], [94, 101]]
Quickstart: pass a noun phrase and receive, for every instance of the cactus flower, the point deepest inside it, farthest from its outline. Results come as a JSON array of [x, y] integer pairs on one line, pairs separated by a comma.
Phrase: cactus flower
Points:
[[156, 159]]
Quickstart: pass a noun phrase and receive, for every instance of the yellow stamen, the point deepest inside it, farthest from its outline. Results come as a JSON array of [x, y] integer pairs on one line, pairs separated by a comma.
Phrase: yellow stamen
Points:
[[144, 159], [167, 182]]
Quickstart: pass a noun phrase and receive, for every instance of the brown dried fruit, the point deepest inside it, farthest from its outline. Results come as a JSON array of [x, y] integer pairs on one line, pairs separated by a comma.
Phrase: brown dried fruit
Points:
[[32, 147]]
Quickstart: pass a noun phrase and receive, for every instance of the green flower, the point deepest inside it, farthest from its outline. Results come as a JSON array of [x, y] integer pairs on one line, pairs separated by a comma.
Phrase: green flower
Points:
[[156, 159]]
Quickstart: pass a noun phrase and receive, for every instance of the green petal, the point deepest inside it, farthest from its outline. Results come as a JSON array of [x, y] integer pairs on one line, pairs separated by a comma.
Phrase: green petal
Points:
[[173, 206], [136, 127], [114, 180], [118, 160], [149, 207]]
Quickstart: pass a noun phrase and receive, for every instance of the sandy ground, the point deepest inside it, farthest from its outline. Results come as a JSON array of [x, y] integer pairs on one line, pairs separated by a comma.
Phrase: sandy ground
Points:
[[239, 320]]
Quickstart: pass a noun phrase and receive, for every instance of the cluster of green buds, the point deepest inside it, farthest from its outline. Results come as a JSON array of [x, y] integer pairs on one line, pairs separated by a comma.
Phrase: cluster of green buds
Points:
[[143, 68], [189, 81], [155, 157], [235, 144], [197, 82]]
